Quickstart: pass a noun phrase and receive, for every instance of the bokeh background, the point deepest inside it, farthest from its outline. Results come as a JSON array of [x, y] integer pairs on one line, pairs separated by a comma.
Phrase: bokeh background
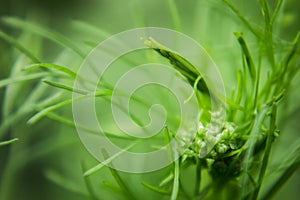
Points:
[[48, 160]]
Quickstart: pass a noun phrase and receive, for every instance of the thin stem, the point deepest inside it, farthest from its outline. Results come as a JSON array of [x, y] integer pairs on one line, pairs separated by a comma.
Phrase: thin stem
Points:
[[277, 9], [17, 45], [107, 161], [44, 32], [268, 34], [8, 142], [175, 189], [257, 84], [88, 185], [242, 18], [250, 147], [239, 92], [22, 78], [265, 12], [282, 180], [270, 138], [175, 15], [246, 55], [117, 178]]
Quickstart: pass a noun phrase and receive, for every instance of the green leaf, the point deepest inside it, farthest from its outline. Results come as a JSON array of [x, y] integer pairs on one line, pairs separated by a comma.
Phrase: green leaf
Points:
[[42, 31], [242, 18], [290, 170], [250, 145], [265, 12], [270, 139], [65, 87], [63, 182], [166, 180], [62, 69], [90, 29], [71, 123], [118, 179], [180, 64], [17, 45], [277, 9], [45, 111], [107, 161], [175, 15], [8, 142], [22, 78], [112, 186], [246, 55], [88, 185], [240, 84], [156, 189], [290, 55]]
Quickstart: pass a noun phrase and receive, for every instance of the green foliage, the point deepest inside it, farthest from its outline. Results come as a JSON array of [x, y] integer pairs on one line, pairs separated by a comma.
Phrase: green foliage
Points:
[[8, 142], [226, 160]]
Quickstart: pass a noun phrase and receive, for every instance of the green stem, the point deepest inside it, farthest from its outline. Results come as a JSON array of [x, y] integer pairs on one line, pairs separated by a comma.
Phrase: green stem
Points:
[[277, 9], [118, 179], [44, 32], [257, 84], [198, 177], [246, 55], [250, 147], [17, 45], [270, 138], [175, 15], [282, 180], [8, 142], [175, 189], [268, 34], [88, 185], [242, 18]]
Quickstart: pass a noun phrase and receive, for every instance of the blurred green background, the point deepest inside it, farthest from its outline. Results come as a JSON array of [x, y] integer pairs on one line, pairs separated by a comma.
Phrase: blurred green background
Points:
[[49, 154]]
